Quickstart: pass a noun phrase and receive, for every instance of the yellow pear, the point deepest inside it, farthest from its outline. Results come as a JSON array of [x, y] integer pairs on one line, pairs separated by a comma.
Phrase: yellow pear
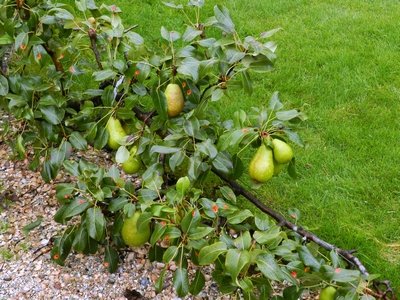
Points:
[[116, 133], [283, 153], [175, 100], [130, 234], [132, 164], [261, 167]]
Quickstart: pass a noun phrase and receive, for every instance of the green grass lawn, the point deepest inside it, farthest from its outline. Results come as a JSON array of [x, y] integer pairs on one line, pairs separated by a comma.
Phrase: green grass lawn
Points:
[[340, 61]]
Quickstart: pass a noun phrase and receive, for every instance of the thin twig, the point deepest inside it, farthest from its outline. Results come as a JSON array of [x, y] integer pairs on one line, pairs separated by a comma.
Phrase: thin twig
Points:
[[93, 38]]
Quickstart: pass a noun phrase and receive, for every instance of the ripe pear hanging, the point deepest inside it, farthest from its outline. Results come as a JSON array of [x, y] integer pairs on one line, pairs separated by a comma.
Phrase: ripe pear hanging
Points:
[[261, 167], [283, 153], [116, 133], [175, 100]]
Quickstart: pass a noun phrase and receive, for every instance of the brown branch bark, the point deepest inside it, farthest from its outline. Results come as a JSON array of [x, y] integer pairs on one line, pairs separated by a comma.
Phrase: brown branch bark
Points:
[[93, 38], [307, 236]]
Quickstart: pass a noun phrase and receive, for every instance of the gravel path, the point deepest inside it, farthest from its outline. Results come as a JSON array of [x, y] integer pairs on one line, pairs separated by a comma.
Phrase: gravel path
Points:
[[26, 271]]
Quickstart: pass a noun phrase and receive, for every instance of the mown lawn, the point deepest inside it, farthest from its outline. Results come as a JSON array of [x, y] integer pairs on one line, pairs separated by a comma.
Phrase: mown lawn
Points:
[[340, 61]]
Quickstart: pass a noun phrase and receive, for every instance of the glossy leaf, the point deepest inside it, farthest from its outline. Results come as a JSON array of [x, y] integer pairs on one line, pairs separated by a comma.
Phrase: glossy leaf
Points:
[[198, 283], [95, 223], [111, 259], [181, 282], [209, 254]]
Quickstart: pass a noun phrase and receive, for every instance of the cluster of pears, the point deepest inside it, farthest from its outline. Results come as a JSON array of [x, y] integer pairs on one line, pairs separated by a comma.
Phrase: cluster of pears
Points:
[[175, 99], [269, 159], [131, 235], [117, 135]]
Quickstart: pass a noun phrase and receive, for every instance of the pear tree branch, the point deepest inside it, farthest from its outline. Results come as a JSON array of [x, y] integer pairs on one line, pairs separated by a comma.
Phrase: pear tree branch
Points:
[[383, 288]]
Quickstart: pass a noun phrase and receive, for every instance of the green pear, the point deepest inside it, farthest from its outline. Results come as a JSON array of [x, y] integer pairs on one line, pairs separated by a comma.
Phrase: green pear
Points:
[[116, 133], [175, 100], [261, 166], [327, 293], [130, 234], [132, 164], [277, 167], [283, 153]]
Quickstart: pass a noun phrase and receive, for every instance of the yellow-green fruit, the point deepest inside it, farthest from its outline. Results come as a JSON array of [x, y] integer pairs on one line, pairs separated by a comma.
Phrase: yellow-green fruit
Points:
[[327, 293], [175, 101], [132, 164], [283, 153], [130, 234], [116, 133], [92, 20], [277, 167], [261, 167]]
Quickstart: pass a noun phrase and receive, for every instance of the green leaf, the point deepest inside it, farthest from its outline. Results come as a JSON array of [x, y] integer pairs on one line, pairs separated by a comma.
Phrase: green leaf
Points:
[[157, 233], [209, 254], [287, 114], [80, 242], [340, 274], [243, 242], [49, 171], [208, 148], [53, 115], [160, 103], [190, 67], [292, 293], [223, 163], [77, 206], [268, 236], [101, 139], [5, 39], [170, 36], [117, 203], [228, 194], [308, 259], [292, 168], [3, 85], [239, 217], [235, 261], [134, 38], [274, 103], [233, 56], [160, 282], [173, 5], [269, 267], [198, 233], [122, 155], [197, 284], [176, 160], [267, 34], [191, 33], [190, 220], [170, 254], [111, 259], [78, 141], [104, 74], [64, 191], [224, 20], [95, 223], [196, 3], [163, 149], [32, 225], [247, 82], [181, 282]]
